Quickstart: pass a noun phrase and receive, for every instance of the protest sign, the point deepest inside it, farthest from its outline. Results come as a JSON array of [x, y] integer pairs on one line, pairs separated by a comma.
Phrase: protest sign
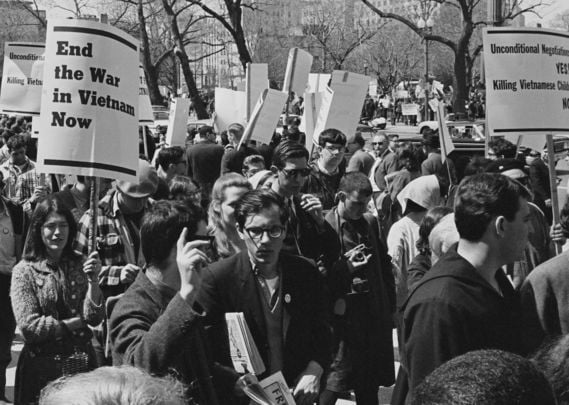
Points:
[[434, 104], [409, 109], [229, 108], [527, 80], [297, 71], [312, 104], [372, 89], [177, 122], [257, 79], [342, 106], [265, 117], [22, 78], [89, 101], [326, 99], [444, 135], [317, 82], [145, 114]]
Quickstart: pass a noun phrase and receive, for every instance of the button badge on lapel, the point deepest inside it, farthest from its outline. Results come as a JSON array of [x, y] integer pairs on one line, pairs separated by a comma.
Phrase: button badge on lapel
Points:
[[288, 298]]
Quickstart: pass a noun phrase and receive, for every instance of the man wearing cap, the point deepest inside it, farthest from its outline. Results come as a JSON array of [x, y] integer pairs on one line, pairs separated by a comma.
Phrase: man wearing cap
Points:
[[360, 161], [204, 160], [118, 222]]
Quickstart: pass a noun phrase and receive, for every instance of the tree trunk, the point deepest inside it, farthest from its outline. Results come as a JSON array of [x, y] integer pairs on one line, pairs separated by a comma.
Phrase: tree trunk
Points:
[[197, 101], [460, 71], [235, 14], [150, 70]]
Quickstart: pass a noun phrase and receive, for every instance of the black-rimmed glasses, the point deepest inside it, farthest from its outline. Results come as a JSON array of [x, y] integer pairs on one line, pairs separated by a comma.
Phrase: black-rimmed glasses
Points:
[[295, 172], [257, 232]]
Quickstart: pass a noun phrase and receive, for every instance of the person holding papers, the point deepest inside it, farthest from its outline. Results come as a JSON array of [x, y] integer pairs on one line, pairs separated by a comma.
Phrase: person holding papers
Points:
[[279, 294]]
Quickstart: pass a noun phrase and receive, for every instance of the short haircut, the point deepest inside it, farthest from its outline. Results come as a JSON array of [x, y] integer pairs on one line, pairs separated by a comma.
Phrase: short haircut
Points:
[[480, 198], [253, 160], [331, 135], [182, 186], [169, 156], [503, 148], [34, 248], [236, 130], [16, 142], [162, 225], [485, 377], [477, 164], [431, 139], [355, 181], [393, 137], [123, 385], [255, 201], [287, 150], [205, 130], [7, 134], [552, 359]]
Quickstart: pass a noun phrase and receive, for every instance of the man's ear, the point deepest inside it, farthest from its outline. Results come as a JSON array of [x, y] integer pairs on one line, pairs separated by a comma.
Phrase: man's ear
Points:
[[274, 169], [500, 226], [341, 196]]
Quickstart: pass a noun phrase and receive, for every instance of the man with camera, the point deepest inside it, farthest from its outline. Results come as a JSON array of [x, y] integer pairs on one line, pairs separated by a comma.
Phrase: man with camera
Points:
[[362, 292], [156, 325]]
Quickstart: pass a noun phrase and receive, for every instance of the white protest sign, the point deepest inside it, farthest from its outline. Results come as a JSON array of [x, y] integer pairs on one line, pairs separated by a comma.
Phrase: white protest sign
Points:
[[36, 122], [444, 135], [317, 82], [434, 104], [257, 80], [265, 117], [409, 109], [297, 71], [372, 89], [326, 99], [89, 101], [527, 80], [22, 78], [312, 104], [229, 108], [177, 122], [145, 114]]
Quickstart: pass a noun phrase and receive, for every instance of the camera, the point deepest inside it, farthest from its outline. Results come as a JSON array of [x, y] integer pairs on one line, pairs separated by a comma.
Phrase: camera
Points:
[[358, 253]]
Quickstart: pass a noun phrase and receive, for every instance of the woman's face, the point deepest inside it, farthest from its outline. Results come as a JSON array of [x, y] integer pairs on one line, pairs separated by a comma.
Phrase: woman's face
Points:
[[231, 194], [54, 233]]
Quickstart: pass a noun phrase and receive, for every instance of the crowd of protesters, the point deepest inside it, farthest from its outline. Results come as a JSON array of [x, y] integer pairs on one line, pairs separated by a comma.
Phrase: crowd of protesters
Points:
[[325, 252]]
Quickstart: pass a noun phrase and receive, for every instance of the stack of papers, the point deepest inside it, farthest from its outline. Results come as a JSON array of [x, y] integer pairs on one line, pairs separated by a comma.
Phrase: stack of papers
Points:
[[244, 353]]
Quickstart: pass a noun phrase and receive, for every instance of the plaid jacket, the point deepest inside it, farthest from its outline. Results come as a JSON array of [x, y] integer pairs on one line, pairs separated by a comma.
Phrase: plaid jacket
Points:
[[20, 183], [114, 242]]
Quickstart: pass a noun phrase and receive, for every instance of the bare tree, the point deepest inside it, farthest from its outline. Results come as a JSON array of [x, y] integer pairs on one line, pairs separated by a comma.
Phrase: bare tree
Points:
[[460, 45], [561, 20], [231, 19]]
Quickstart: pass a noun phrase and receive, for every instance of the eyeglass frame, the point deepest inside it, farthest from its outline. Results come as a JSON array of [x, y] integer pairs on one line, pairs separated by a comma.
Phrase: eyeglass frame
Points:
[[282, 229], [291, 173]]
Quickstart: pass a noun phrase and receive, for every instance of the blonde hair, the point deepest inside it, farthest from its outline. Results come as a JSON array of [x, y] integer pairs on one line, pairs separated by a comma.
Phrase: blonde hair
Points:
[[215, 222], [123, 385]]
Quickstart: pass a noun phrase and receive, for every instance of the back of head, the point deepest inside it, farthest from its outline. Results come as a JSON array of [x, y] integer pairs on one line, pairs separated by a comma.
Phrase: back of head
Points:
[[331, 135], [169, 156], [288, 150], [162, 225], [431, 139], [355, 181], [432, 218], [553, 360], [482, 197], [124, 385], [490, 377], [16, 142], [442, 237], [503, 148]]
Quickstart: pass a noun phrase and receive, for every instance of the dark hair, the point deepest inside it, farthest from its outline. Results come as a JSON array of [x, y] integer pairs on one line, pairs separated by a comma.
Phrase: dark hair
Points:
[[169, 156], [503, 148], [408, 158], [552, 360], [477, 164], [331, 135], [431, 139], [483, 196], [431, 218], [7, 134], [205, 130], [34, 248], [288, 150], [355, 181], [253, 160], [162, 225], [16, 142], [485, 377], [182, 186], [254, 201]]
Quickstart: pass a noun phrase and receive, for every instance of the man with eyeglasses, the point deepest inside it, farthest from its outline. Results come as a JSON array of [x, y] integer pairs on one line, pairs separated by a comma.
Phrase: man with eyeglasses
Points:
[[327, 171], [279, 294], [308, 234]]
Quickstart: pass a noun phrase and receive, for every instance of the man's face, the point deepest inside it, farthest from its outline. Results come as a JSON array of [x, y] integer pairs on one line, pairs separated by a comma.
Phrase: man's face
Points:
[[263, 234], [379, 144], [332, 154], [129, 205], [18, 156], [393, 142], [292, 177], [355, 204], [492, 154], [515, 236]]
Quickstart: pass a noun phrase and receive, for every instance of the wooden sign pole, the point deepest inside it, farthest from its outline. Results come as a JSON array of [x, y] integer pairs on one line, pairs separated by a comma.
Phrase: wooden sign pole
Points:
[[553, 184]]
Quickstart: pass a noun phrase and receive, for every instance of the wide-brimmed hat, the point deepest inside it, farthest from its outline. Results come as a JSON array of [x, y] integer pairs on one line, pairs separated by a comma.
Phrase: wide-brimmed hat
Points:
[[147, 182]]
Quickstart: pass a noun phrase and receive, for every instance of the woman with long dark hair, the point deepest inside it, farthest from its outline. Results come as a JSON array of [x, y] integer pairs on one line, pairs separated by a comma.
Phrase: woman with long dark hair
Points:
[[55, 295]]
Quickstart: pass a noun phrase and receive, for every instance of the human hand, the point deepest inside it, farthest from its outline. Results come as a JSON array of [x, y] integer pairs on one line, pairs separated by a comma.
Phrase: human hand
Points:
[[40, 192], [92, 267], [128, 273], [308, 385], [190, 260], [357, 258], [548, 202], [313, 207], [556, 234]]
